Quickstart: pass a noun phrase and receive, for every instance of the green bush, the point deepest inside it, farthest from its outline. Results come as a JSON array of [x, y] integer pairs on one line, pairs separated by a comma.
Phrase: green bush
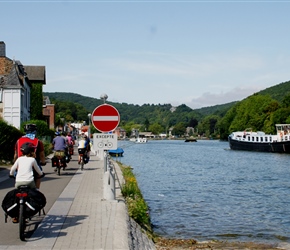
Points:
[[42, 128], [47, 147], [8, 137]]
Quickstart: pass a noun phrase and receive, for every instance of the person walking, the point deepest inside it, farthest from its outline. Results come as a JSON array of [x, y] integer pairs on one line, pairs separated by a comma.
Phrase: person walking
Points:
[[31, 137]]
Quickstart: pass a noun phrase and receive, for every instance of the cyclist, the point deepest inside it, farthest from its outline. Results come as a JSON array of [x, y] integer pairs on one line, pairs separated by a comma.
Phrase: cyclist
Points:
[[70, 143], [59, 146], [83, 147], [88, 146], [24, 165], [30, 136]]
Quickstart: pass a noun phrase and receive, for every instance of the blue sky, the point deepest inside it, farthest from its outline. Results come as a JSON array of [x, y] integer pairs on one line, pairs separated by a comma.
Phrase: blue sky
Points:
[[198, 53]]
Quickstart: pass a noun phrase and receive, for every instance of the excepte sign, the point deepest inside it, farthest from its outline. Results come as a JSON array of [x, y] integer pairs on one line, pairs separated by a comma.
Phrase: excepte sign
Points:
[[105, 141]]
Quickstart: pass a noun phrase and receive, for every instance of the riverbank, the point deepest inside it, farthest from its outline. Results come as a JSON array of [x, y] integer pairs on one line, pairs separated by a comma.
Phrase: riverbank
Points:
[[180, 244]]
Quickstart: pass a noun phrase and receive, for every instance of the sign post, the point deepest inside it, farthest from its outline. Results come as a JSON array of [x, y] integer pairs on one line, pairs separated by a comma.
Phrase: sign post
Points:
[[106, 118]]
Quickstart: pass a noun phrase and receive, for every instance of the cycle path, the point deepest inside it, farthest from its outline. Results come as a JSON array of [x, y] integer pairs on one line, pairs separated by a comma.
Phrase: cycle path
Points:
[[80, 218]]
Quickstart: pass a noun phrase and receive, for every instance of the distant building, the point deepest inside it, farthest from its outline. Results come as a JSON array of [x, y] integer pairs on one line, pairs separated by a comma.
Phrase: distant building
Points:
[[49, 112]]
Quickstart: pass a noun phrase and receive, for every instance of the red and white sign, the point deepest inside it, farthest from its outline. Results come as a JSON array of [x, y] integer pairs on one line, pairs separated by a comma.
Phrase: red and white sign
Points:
[[105, 118]]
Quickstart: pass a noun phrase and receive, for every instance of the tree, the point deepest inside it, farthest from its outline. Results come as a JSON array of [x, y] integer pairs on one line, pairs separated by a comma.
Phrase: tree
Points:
[[146, 124], [193, 122], [156, 128], [179, 129], [36, 102]]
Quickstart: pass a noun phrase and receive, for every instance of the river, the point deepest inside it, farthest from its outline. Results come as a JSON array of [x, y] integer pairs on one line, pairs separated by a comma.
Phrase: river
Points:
[[205, 191]]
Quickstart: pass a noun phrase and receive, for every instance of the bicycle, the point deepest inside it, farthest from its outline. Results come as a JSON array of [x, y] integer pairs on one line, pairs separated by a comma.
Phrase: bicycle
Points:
[[59, 161], [22, 204], [71, 150], [82, 154]]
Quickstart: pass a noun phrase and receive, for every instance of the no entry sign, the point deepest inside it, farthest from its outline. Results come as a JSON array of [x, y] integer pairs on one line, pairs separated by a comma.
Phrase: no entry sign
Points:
[[105, 118]]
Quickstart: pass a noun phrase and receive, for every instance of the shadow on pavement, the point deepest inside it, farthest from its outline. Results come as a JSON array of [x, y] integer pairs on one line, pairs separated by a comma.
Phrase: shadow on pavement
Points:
[[52, 224]]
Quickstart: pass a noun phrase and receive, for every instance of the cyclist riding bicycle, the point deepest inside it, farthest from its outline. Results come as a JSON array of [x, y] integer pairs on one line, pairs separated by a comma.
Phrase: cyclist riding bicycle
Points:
[[31, 137], [70, 140], [70, 143], [59, 146], [83, 148], [25, 166]]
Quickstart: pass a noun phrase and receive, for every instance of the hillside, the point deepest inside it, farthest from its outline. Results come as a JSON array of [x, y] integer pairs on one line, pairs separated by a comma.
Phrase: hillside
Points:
[[207, 120], [90, 104]]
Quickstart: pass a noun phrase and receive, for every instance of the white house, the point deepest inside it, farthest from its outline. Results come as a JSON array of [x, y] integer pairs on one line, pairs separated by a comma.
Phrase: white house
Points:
[[15, 90]]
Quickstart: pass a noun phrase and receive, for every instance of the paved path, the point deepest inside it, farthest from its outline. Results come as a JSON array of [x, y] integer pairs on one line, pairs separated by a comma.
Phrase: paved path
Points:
[[81, 218]]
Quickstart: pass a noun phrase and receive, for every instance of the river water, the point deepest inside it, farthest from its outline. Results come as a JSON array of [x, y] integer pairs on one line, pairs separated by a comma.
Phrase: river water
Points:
[[205, 191]]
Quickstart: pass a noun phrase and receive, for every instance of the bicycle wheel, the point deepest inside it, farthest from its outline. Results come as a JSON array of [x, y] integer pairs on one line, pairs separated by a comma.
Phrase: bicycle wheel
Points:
[[21, 222], [82, 163], [58, 170]]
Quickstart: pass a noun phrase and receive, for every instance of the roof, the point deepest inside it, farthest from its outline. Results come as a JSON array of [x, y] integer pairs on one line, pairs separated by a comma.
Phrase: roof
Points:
[[14, 79], [35, 74]]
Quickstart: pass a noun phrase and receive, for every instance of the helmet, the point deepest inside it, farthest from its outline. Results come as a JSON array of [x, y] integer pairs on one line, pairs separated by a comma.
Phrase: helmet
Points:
[[27, 148], [30, 128]]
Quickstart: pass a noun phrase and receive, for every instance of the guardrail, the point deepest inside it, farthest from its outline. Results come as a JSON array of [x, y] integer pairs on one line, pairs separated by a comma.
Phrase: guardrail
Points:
[[109, 178]]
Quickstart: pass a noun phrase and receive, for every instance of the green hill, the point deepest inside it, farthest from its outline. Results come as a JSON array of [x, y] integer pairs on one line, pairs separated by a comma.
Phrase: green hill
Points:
[[207, 120]]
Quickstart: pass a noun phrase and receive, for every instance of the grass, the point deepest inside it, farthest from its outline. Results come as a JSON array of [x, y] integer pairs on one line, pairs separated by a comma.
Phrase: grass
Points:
[[137, 207]]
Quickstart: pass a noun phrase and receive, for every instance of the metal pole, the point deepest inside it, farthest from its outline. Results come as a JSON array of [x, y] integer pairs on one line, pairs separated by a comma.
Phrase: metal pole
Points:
[[105, 160], [89, 129]]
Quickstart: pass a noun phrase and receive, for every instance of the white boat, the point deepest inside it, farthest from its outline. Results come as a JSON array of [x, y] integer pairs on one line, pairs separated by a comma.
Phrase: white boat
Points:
[[261, 142], [139, 140]]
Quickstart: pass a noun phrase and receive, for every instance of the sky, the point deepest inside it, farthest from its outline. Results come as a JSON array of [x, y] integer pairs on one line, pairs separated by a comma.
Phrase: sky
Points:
[[197, 53]]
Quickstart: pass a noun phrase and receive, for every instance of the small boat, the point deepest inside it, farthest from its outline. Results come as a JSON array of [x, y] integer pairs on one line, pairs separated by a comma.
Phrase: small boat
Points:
[[139, 140], [116, 152], [261, 142], [190, 140]]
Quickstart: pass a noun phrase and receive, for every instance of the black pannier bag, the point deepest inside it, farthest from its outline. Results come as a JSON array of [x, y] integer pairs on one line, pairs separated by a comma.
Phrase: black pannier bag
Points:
[[54, 161], [35, 202], [10, 203]]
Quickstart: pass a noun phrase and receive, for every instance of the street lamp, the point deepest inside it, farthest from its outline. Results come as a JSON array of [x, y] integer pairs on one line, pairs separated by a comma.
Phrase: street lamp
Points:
[[89, 129]]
